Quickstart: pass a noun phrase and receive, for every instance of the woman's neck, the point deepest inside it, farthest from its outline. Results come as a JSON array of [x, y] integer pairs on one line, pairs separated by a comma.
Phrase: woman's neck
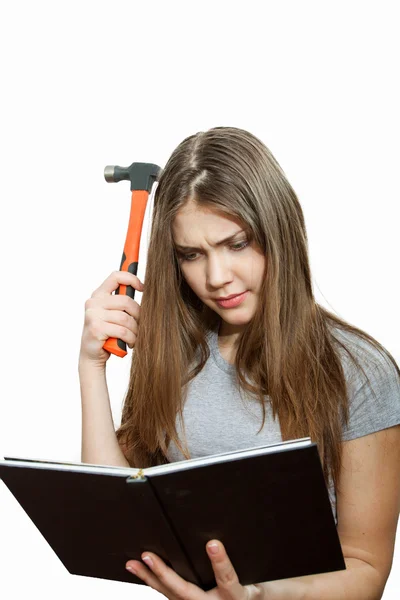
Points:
[[227, 342]]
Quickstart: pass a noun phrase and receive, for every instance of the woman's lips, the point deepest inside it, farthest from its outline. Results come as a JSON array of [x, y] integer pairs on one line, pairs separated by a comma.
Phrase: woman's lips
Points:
[[232, 301]]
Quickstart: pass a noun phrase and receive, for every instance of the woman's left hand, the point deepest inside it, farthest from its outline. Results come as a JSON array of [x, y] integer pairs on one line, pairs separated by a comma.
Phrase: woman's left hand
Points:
[[166, 581]]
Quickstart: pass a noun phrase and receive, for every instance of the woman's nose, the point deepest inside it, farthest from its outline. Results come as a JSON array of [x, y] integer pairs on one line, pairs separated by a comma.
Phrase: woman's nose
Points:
[[219, 271]]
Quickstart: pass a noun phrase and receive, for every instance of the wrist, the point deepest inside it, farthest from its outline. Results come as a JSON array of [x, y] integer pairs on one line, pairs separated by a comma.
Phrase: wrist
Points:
[[86, 365], [282, 589]]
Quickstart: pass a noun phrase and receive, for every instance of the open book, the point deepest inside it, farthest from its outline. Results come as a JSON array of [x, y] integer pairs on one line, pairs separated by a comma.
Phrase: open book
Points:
[[268, 505]]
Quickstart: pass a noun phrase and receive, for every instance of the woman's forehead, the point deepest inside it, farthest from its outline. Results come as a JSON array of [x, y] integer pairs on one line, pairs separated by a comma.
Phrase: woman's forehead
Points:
[[193, 219], [191, 211]]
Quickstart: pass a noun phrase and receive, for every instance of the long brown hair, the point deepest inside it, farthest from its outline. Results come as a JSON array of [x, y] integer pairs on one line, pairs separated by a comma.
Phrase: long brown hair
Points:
[[287, 352]]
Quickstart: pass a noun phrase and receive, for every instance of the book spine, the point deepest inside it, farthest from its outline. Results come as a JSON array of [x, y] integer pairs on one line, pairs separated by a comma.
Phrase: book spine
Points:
[[153, 531]]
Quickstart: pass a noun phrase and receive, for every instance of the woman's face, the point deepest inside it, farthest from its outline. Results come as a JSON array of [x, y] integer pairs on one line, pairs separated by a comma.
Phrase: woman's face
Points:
[[215, 270]]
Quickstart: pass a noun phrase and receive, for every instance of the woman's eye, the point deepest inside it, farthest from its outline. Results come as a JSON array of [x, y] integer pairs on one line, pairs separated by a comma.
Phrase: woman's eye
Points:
[[240, 244], [235, 247], [187, 257]]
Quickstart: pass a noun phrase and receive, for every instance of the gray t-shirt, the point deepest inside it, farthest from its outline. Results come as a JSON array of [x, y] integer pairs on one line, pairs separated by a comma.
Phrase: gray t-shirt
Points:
[[218, 419]]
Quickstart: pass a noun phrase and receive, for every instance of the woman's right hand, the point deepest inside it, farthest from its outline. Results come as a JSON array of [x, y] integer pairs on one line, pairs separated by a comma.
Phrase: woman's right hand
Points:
[[109, 315]]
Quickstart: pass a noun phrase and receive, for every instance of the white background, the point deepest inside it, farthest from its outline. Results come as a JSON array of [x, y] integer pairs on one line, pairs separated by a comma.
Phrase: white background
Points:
[[91, 83]]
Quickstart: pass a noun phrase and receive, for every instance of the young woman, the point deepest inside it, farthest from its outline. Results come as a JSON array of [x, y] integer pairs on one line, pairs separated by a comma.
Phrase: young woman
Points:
[[231, 351]]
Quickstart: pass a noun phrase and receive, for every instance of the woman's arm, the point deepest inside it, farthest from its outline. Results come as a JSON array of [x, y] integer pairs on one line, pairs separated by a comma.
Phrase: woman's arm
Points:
[[106, 315], [99, 441], [368, 504]]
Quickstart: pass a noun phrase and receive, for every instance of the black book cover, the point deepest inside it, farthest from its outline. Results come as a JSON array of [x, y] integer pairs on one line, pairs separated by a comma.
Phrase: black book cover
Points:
[[271, 511], [94, 522]]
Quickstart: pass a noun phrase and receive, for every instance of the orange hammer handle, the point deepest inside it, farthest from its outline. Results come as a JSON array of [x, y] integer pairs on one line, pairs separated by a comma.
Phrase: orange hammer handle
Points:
[[130, 258]]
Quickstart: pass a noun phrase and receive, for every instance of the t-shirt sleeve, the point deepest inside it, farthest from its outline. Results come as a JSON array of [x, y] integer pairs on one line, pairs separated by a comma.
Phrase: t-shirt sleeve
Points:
[[375, 404]]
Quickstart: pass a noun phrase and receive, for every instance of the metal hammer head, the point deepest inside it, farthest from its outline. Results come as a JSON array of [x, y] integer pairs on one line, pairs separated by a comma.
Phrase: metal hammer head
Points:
[[141, 175]]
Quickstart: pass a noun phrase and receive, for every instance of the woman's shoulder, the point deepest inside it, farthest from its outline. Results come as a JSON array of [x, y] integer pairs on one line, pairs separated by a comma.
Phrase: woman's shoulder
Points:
[[373, 383], [356, 351]]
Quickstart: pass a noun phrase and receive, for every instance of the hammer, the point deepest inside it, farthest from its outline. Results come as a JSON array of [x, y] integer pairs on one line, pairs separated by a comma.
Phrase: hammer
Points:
[[142, 177]]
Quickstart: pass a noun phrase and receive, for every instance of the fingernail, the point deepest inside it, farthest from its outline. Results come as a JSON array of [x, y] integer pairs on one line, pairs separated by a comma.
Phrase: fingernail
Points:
[[213, 548], [148, 561], [132, 570]]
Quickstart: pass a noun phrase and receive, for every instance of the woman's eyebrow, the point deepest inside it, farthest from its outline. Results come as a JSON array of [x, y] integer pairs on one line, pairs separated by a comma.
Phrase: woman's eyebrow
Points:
[[228, 239]]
